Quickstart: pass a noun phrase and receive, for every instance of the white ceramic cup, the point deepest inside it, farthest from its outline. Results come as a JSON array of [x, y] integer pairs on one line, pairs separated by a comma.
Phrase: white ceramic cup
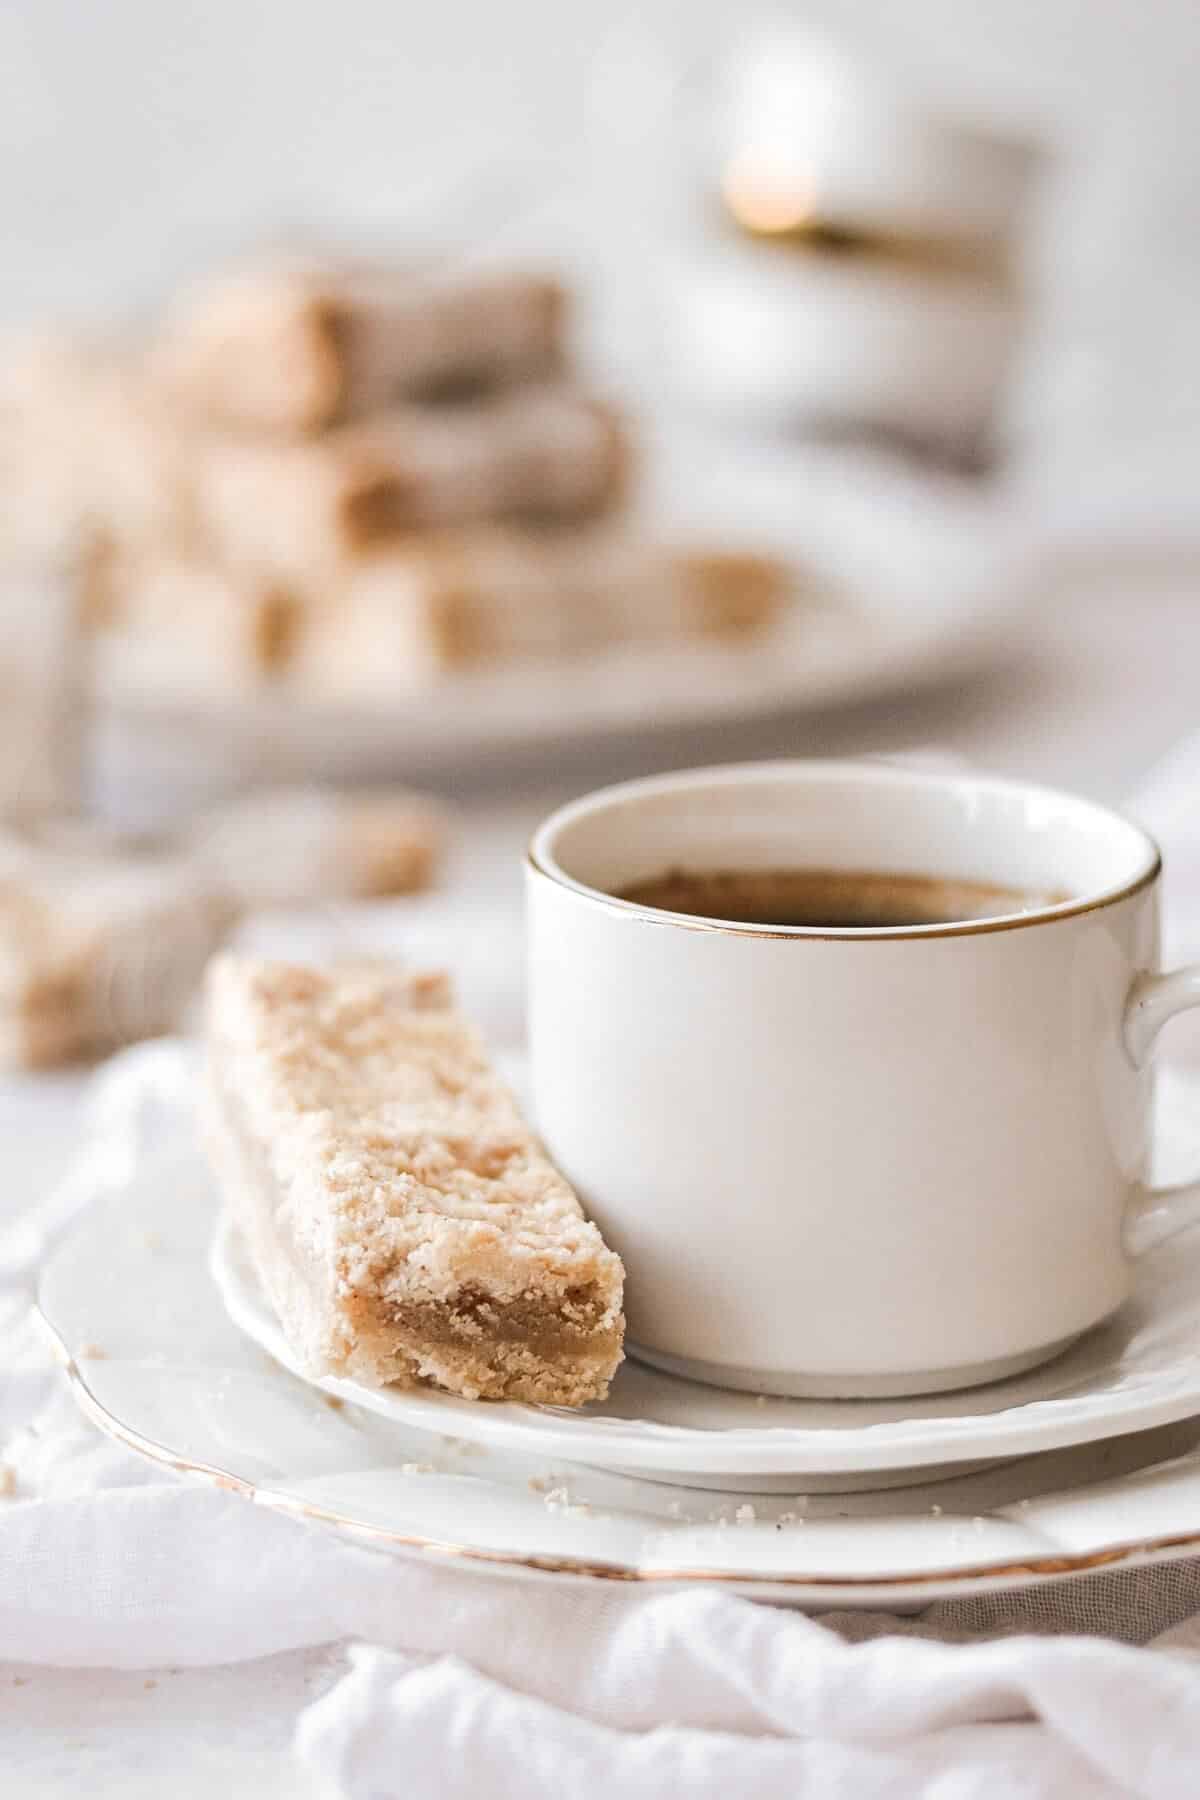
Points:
[[819, 341], [847, 1162], [821, 128]]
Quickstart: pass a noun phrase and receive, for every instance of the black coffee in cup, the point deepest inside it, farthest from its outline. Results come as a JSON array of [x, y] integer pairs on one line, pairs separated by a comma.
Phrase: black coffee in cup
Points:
[[836, 899]]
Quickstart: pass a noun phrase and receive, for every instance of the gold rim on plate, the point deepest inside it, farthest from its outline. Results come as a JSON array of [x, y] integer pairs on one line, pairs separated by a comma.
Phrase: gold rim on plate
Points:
[[1027, 1569]]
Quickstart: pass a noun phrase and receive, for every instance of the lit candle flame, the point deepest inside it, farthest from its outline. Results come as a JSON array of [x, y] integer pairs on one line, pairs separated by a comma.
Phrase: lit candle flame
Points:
[[760, 202]]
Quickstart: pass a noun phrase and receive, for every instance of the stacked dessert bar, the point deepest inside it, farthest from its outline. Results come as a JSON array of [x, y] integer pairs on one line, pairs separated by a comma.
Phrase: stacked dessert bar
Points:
[[351, 481]]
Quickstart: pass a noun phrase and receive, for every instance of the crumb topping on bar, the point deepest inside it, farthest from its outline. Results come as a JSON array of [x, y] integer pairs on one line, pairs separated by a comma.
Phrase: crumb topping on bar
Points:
[[427, 1180]]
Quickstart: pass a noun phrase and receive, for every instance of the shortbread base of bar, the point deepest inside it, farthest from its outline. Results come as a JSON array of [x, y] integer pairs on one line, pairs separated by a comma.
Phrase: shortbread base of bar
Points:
[[484, 1350]]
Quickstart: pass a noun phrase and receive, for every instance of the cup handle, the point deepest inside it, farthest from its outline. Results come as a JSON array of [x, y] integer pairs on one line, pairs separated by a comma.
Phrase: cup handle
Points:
[[1158, 1213]]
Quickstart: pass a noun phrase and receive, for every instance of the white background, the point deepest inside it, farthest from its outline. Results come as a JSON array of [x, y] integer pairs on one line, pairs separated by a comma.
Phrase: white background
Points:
[[139, 138]]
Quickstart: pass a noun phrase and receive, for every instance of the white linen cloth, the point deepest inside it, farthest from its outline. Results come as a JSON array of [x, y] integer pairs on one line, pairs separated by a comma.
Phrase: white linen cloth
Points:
[[474, 1684]]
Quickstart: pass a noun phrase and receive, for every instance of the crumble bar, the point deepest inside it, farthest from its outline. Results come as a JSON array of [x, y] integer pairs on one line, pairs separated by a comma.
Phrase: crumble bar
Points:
[[167, 626], [292, 509], [42, 683], [404, 1220], [292, 350], [297, 846], [98, 949], [488, 596]]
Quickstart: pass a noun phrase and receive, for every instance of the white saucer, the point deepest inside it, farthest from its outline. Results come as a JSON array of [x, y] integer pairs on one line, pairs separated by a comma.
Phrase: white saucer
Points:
[[628, 1433], [1140, 1370], [157, 1362]]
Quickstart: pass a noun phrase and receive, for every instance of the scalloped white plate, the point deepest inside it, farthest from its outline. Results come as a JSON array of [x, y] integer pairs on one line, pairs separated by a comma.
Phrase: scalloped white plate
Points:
[[157, 1362], [1139, 1371]]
